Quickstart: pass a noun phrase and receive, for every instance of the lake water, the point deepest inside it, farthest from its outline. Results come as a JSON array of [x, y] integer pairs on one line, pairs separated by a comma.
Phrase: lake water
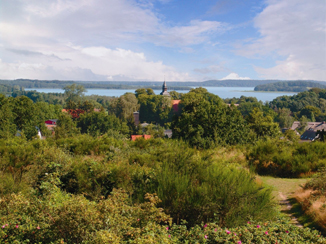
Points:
[[222, 92]]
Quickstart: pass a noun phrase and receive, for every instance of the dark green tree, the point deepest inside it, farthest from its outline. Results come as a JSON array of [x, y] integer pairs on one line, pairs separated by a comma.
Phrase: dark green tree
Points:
[[26, 117], [74, 93], [284, 118], [97, 124], [207, 121], [7, 125], [66, 127], [310, 112], [155, 109], [124, 106], [263, 126]]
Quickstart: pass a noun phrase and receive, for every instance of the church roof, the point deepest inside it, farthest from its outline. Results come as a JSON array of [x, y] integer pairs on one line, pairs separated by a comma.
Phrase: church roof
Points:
[[165, 90]]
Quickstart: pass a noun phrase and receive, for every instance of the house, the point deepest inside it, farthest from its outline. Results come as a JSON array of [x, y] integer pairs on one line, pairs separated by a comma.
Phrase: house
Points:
[[135, 137], [75, 113], [168, 133], [136, 118], [175, 105], [51, 122], [310, 129], [308, 135]]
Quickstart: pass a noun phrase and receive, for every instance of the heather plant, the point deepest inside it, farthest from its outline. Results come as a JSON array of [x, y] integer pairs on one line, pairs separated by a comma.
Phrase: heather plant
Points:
[[318, 181], [195, 187], [88, 145], [312, 198], [285, 158], [58, 217], [280, 231]]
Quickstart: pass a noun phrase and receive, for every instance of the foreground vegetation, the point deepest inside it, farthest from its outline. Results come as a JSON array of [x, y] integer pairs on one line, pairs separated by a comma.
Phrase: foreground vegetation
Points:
[[65, 190], [312, 199], [88, 183]]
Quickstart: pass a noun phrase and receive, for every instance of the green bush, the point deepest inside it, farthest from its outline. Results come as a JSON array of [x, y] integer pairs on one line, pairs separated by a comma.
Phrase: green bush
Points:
[[195, 187], [58, 217], [280, 231], [286, 159]]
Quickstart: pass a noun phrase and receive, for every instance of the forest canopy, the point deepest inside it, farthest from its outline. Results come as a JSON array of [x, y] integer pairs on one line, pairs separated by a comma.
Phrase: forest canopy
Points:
[[290, 86]]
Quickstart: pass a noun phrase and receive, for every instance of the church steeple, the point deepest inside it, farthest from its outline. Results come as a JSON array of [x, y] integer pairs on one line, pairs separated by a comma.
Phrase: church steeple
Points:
[[164, 89]]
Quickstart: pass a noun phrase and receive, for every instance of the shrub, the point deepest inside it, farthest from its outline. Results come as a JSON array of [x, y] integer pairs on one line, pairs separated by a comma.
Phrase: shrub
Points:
[[286, 159]]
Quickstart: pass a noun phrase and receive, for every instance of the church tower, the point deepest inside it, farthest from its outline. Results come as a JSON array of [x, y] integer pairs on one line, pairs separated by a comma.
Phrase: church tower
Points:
[[164, 90]]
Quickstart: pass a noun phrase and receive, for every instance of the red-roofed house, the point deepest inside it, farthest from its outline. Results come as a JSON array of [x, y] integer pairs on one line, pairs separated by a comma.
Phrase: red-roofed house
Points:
[[135, 137], [175, 105], [51, 122]]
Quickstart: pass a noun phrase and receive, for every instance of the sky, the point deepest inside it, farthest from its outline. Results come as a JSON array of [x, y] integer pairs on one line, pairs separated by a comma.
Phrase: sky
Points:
[[153, 40]]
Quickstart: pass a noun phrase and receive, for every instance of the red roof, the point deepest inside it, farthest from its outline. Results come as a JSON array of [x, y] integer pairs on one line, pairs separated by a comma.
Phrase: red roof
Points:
[[74, 112], [135, 137], [175, 105]]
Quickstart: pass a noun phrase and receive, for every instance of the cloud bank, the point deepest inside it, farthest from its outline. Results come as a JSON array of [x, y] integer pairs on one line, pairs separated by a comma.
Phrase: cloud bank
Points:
[[90, 40], [234, 76], [293, 32]]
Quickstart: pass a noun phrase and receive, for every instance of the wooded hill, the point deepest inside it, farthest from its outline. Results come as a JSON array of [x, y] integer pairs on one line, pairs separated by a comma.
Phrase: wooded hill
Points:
[[289, 86], [172, 85], [59, 84]]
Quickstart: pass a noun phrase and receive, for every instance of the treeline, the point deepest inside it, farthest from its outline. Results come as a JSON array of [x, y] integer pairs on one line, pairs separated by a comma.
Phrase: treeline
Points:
[[7, 89], [304, 107], [27, 83], [289, 86], [173, 85], [23, 117], [60, 98]]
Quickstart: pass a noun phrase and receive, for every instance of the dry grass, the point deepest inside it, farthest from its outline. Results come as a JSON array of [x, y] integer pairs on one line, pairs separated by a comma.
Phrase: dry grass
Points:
[[313, 205], [302, 195], [230, 155]]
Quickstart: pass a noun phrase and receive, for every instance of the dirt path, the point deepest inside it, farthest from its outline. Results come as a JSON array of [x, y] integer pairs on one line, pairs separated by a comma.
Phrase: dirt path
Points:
[[284, 202], [283, 190]]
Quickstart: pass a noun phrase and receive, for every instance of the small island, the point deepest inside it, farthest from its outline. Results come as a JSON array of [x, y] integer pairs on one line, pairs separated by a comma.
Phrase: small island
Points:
[[289, 86]]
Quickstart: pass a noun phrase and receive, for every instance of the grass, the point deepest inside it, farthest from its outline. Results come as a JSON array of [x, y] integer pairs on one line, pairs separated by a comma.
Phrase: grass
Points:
[[288, 187], [284, 185]]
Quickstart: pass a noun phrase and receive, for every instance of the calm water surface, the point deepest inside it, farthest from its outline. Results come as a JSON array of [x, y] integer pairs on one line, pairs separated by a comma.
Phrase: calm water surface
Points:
[[223, 92]]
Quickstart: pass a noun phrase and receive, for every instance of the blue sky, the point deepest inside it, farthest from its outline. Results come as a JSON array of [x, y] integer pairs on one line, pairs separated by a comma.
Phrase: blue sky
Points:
[[131, 40]]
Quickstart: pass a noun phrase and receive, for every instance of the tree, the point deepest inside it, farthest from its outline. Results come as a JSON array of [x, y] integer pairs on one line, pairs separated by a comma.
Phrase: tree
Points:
[[206, 121], [310, 112], [284, 118], [66, 127], [175, 95], [140, 91], [97, 124], [246, 107], [26, 117], [7, 125], [125, 106], [143, 91], [155, 109], [74, 92], [262, 126]]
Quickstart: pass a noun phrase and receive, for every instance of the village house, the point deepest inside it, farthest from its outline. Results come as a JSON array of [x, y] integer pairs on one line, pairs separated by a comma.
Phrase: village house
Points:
[[311, 129]]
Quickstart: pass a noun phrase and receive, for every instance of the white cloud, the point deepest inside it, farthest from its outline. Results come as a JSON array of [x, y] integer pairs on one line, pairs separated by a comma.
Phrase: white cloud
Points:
[[211, 69], [91, 63], [90, 39], [234, 76], [196, 32], [295, 32]]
